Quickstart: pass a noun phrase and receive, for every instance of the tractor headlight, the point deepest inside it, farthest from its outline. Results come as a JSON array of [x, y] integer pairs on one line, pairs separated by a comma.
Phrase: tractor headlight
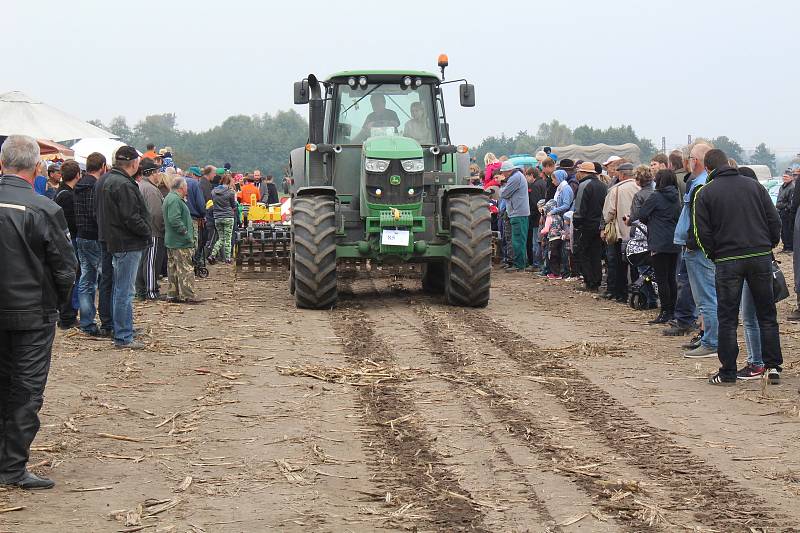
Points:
[[376, 165], [413, 165]]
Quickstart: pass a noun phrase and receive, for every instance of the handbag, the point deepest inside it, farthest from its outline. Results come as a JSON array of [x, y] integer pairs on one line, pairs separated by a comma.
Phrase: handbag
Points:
[[780, 291], [610, 228]]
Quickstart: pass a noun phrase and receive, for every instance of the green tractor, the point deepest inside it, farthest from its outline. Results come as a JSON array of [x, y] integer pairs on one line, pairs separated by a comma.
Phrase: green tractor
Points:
[[380, 185]]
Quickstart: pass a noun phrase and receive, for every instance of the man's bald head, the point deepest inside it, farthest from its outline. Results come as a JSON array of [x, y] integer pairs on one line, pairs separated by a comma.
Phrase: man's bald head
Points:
[[697, 156]]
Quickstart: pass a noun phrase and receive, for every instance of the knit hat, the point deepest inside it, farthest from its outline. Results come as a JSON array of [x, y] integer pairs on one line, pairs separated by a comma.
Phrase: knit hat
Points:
[[195, 171], [540, 203], [549, 206]]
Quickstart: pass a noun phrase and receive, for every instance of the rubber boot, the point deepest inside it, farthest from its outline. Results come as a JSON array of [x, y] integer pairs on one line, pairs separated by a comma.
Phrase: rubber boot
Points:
[[794, 316]]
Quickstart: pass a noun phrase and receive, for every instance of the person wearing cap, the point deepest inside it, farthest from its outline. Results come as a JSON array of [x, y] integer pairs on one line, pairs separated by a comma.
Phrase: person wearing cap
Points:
[[195, 200], [147, 287], [587, 220], [39, 264], [127, 233], [784, 206], [616, 210], [514, 191]]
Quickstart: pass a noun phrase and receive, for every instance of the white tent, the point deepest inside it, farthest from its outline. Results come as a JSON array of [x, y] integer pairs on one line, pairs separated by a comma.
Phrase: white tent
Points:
[[107, 147], [23, 115]]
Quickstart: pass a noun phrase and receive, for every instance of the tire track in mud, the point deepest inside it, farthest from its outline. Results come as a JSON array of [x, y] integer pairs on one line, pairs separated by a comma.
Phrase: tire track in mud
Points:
[[467, 406], [533, 432], [422, 490], [693, 485]]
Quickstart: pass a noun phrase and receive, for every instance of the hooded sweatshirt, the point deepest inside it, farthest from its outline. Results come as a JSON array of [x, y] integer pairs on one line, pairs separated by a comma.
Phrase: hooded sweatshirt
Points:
[[224, 202], [564, 195]]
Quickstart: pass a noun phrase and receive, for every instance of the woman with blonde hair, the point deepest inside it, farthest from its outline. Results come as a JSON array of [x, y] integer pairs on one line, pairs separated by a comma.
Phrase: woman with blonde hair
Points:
[[492, 166]]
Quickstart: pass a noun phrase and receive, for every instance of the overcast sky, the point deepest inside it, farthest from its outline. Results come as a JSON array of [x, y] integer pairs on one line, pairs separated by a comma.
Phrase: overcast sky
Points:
[[669, 68]]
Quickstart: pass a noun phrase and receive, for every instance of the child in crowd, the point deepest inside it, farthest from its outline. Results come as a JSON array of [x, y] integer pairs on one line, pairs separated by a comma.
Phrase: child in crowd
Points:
[[553, 231], [545, 269], [571, 270]]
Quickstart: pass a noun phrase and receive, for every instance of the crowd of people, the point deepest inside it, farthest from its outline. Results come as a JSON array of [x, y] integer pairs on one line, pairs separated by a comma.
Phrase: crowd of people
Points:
[[691, 233], [83, 241]]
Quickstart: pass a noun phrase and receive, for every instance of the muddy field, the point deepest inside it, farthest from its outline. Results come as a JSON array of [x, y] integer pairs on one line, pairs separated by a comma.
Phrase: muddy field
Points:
[[550, 410]]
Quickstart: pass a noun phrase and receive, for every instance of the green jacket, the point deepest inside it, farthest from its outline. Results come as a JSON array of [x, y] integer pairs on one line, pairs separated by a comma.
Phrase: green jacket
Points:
[[178, 228]]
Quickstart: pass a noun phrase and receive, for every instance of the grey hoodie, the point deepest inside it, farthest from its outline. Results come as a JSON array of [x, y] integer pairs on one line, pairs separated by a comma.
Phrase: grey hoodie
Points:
[[224, 202]]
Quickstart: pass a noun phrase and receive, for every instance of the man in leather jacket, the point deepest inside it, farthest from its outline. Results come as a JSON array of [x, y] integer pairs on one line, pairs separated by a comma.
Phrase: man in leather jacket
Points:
[[40, 270]]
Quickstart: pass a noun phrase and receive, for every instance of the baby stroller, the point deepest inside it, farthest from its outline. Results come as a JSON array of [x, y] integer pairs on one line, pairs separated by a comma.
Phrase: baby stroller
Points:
[[637, 254]]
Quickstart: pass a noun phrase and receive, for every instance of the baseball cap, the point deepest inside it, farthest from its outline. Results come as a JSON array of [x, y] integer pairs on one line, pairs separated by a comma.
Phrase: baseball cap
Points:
[[625, 166], [611, 160], [126, 153], [195, 171], [148, 166]]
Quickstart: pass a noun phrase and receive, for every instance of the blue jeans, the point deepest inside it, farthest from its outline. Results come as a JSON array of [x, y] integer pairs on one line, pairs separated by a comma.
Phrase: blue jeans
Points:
[[702, 274], [89, 258], [126, 265], [685, 310], [752, 333]]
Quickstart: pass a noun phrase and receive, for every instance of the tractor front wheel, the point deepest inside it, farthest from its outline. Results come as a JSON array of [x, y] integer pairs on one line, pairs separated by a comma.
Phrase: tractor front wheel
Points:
[[314, 252], [468, 273]]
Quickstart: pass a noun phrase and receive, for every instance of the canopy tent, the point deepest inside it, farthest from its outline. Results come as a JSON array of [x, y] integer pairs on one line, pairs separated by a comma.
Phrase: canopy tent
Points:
[[23, 115], [599, 152], [51, 150], [107, 147]]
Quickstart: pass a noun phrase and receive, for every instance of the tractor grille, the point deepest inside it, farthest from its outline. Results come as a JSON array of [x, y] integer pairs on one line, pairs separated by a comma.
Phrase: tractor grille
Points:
[[394, 194]]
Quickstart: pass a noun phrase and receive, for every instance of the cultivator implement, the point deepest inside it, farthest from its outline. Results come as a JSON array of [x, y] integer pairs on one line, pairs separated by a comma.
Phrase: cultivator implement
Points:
[[262, 250]]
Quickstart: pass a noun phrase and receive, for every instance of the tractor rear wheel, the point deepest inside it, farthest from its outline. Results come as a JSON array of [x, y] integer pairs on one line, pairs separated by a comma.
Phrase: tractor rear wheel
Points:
[[468, 273], [433, 278], [314, 252]]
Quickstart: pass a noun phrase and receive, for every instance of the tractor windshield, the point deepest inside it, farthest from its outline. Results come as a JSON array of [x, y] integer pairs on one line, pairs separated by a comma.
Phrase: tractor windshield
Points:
[[384, 109]]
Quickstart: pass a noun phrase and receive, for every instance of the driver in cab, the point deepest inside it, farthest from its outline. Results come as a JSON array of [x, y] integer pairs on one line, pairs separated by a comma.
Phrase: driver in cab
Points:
[[380, 117]]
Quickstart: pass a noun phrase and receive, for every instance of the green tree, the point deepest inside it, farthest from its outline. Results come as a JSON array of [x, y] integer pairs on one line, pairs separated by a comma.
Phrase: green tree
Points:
[[763, 156], [730, 147], [119, 127]]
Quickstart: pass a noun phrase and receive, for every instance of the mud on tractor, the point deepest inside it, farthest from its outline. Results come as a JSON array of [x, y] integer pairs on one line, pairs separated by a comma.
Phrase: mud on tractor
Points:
[[380, 184]]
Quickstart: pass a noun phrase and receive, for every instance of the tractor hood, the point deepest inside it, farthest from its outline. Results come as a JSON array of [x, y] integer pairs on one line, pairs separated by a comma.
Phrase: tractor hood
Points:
[[392, 148]]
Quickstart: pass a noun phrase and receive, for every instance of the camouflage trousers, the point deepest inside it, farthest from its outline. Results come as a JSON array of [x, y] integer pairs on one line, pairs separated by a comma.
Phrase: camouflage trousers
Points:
[[180, 273]]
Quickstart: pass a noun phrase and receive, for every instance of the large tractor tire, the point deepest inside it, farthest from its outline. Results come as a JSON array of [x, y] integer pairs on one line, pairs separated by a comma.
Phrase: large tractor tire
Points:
[[433, 278], [468, 273], [314, 252]]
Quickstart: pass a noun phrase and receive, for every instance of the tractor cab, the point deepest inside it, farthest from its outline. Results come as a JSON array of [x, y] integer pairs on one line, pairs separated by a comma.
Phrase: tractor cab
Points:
[[379, 154]]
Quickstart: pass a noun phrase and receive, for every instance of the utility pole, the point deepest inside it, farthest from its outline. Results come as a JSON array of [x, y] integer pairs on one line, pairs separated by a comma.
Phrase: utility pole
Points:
[[664, 145], [690, 139]]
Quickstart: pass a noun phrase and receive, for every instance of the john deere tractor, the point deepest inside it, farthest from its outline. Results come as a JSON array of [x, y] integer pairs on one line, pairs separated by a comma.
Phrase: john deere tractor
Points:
[[380, 185]]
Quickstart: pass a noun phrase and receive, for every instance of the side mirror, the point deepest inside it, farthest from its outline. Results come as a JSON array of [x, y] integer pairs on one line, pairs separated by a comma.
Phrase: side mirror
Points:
[[301, 95], [467, 94]]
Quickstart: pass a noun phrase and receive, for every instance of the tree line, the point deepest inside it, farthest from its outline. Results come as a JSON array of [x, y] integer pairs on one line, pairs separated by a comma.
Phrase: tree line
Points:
[[264, 141]]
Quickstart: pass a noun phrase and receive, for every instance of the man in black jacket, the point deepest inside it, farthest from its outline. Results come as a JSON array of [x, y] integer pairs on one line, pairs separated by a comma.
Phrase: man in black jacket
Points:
[[737, 227], [784, 206], [65, 198], [125, 227], [39, 265], [89, 254], [537, 190], [587, 220]]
